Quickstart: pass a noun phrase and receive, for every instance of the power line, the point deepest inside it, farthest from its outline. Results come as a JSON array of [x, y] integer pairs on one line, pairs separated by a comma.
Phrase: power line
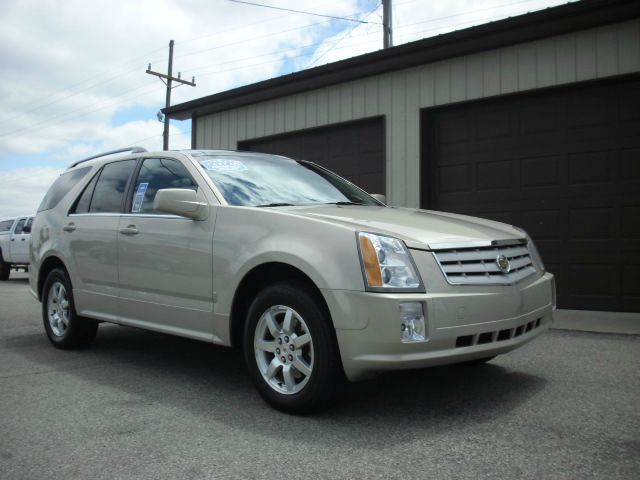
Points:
[[298, 11], [310, 64]]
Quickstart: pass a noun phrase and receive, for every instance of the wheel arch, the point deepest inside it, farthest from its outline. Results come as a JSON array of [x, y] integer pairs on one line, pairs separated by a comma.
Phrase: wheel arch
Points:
[[50, 263], [258, 278]]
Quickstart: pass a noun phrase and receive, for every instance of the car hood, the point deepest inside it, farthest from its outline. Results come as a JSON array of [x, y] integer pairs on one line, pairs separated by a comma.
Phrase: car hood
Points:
[[418, 228]]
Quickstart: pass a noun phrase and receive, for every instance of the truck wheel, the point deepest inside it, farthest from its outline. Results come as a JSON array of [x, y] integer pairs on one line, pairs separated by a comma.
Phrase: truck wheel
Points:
[[5, 268], [64, 327], [291, 351]]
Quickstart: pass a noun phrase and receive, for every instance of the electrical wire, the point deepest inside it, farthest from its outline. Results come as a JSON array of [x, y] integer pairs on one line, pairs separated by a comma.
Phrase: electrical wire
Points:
[[297, 11]]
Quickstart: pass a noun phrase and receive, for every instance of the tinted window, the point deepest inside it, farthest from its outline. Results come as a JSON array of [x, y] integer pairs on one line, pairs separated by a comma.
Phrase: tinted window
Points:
[[82, 204], [110, 187], [61, 187], [5, 225], [155, 174], [20, 225]]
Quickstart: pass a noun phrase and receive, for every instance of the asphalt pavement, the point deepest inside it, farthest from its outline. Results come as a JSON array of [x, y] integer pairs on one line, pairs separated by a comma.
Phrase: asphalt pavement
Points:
[[142, 405]]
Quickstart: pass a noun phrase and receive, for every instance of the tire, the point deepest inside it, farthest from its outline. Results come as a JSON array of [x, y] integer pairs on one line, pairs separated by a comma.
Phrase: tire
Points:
[[308, 378], [65, 329], [5, 269], [479, 361]]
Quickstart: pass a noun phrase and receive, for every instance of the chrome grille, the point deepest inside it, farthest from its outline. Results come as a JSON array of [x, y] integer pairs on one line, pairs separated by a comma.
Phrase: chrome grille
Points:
[[463, 265]]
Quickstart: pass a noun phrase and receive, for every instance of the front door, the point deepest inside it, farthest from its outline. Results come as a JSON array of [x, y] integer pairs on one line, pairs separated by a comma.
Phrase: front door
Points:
[[165, 266]]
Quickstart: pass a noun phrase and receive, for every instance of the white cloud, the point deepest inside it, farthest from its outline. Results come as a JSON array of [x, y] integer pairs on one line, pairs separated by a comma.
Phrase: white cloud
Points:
[[23, 189]]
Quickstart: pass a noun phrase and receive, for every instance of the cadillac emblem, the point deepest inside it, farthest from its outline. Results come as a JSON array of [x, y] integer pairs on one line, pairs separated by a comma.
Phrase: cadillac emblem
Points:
[[503, 264]]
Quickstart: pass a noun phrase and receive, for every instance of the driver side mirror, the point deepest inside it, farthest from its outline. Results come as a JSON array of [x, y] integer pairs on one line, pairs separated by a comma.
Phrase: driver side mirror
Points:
[[26, 229], [181, 201]]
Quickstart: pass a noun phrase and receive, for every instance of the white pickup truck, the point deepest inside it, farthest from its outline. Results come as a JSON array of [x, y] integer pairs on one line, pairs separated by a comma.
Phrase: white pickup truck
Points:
[[14, 244]]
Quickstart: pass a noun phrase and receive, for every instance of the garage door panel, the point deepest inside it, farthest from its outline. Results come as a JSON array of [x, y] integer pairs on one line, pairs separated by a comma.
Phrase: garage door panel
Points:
[[354, 150], [565, 165]]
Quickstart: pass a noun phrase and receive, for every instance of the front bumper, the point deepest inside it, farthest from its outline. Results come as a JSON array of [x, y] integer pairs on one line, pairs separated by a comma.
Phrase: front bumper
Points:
[[463, 323]]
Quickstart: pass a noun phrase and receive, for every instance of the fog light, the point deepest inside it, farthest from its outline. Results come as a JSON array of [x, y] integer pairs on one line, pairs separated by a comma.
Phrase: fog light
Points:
[[412, 323]]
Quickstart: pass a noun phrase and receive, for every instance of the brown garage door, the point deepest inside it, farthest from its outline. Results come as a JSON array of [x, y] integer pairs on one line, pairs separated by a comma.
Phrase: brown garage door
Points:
[[352, 150], [562, 163]]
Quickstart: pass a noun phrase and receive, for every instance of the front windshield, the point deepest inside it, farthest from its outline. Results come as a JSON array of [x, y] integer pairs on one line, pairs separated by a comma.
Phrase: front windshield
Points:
[[277, 181]]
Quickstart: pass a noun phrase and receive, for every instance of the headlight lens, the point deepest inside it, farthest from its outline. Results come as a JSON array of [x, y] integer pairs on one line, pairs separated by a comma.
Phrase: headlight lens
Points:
[[387, 264]]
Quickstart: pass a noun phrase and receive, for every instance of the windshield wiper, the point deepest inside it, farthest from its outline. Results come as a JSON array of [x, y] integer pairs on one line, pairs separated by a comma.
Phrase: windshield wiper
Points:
[[346, 203], [276, 205]]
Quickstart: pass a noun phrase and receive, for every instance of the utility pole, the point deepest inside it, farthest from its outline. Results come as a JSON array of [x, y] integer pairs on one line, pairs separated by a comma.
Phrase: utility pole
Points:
[[167, 80], [387, 23]]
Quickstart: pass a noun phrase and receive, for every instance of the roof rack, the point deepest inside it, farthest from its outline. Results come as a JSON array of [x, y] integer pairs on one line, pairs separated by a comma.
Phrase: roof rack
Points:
[[110, 152]]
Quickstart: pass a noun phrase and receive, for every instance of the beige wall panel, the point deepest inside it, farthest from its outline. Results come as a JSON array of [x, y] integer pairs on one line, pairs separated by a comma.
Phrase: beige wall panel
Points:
[[526, 66], [396, 151], [443, 83], [491, 73], [629, 47], [427, 86], [508, 70], [475, 77], [269, 118], [371, 97], [566, 59], [459, 81], [586, 55], [545, 64], [311, 114]]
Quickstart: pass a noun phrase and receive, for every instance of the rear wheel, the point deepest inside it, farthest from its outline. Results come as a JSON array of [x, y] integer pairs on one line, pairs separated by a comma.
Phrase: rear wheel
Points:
[[291, 351], [64, 327]]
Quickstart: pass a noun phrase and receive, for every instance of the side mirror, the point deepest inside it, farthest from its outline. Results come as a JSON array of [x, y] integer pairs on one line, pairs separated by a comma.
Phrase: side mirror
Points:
[[26, 229], [378, 196], [181, 201]]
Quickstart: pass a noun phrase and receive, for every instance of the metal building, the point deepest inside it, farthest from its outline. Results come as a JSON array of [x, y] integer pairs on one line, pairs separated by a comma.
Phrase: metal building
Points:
[[533, 120]]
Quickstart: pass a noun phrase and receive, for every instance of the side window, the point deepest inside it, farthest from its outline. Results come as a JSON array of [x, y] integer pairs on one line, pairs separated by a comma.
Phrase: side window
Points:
[[61, 187], [5, 225], [110, 187], [83, 201], [156, 174], [20, 226]]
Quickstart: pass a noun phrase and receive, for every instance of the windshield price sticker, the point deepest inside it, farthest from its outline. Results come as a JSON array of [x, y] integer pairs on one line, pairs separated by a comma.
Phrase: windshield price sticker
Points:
[[223, 165], [139, 197]]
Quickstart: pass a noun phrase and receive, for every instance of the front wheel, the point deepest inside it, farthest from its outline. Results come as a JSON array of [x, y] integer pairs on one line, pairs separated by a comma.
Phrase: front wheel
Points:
[[291, 350], [65, 329]]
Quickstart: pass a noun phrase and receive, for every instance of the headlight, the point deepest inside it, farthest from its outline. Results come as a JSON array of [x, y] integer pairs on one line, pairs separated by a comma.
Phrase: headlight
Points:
[[387, 265]]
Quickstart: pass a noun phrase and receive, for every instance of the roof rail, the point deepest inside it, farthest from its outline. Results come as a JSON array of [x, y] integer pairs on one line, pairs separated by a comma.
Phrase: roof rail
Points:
[[110, 152]]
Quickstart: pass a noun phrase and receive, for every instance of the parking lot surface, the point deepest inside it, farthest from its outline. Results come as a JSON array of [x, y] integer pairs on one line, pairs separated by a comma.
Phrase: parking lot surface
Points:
[[148, 406]]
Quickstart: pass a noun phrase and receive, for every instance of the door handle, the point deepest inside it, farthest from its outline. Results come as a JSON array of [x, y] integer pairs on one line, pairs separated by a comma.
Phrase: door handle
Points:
[[130, 230], [22, 240], [13, 239], [69, 227]]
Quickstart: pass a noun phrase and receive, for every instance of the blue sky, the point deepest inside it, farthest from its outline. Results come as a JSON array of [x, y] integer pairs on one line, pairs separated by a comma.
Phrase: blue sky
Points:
[[74, 81]]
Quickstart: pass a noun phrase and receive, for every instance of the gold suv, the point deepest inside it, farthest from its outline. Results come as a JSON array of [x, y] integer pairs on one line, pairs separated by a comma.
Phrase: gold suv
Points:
[[317, 281]]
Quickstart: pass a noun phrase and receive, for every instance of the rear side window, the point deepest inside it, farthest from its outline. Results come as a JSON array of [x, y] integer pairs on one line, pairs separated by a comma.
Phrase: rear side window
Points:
[[155, 174], [5, 225], [84, 200], [63, 184], [110, 187]]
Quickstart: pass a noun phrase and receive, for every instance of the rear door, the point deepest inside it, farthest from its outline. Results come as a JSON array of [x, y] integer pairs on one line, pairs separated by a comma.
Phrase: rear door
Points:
[[165, 264], [91, 228], [19, 245]]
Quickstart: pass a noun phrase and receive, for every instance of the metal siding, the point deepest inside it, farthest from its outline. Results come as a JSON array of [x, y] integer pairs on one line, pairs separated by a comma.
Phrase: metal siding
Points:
[[585, 55], [491, 73], [545, 64], [629, 36]]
